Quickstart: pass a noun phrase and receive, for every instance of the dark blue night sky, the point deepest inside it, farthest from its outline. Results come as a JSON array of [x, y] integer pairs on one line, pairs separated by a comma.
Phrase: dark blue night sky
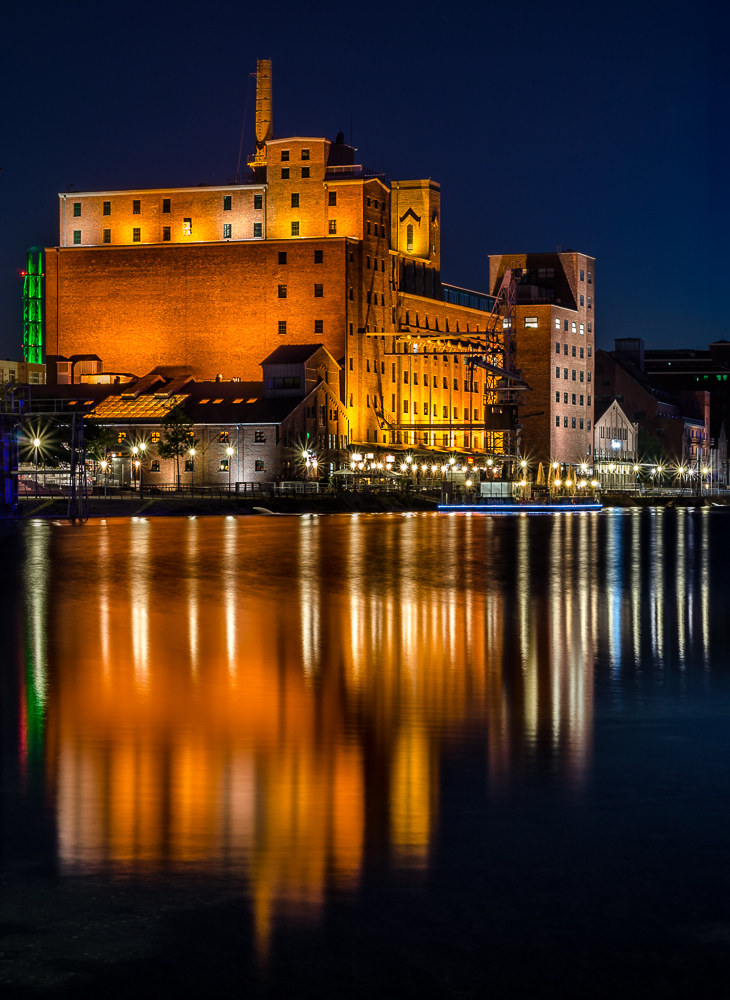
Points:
[[594, 127]]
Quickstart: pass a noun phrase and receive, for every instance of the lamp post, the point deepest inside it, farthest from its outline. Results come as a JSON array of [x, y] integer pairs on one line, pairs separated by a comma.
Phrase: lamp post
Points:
[[229, 452], [36, 445], [192, 470], [142, 448], [104, 467], [135, 465]]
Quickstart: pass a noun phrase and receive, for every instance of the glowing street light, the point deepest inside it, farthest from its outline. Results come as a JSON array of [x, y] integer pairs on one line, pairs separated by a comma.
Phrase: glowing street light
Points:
[[229, 452], [36, 445]]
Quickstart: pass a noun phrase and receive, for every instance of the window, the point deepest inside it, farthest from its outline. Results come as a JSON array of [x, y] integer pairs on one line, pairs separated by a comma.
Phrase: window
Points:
[[305, 154], [259, 466], [223, 436], [368, 262], [582, 330], [425, 409], [573, 352], [446, 383], [557, 347], [415, 378], [165, 206], [589, 427], [409, 238], [166, 234], [155, 437], [581, 275], [530, 322], [565, 373], [295, 228], [581, 400], [121, 436], [590, 278], [590, 326], [259, 437], [590, 302], [573, 399], [332, 198], [589, 377], [257, 230], [136, 235], [565, 421], [282, 256], [572, 422], [581, 300], [258, 202], [565, 325], [285, 173], [295, 199], [405, 406], [223, 466], [573, 328], [155, 465], [589, 403], [284, 155], [319, 291], [305, 172], [282, 326], [77, 236], [581, 423], [332, 227], [282, 291], [590, 351], [369, 296], [319, 256], [136, 207], [107, 237], [77, 209], [456, 385], [187, 227], [565, 397], [574, 374], [581, 375], [557, 322], [582, 352], [226, 203], [227, 231], [557, 373], [106, 208], [565, 349], [557, 421], [405, 378]]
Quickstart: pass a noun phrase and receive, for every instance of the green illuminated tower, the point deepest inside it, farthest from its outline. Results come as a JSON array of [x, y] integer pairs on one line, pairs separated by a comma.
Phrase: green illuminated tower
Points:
[[33, 307]]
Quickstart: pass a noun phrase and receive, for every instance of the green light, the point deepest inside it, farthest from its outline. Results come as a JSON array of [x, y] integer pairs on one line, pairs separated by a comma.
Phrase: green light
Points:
[[33, 307]]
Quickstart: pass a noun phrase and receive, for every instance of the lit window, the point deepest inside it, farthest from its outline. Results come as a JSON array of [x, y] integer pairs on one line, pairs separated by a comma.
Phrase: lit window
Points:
[[259, 437], [530, 322], [226, 203], [332, 227], [305, 154], [557, 322], [259, 465], [409, 238], [573, 328], [282, 291], [165, 233], [295, 199], [227, 231], [282, 326], [77, 236], [77, 210], [223, 465], [257, 230], [155, 465], [121, 436], [295, 228], [165, 206], [155, 437], [332, 198], [284, 155], [107, 208], [136, 235], [258, 201], [318, 291], [136, 207], [582, 330], [107, 236], [187, 227]]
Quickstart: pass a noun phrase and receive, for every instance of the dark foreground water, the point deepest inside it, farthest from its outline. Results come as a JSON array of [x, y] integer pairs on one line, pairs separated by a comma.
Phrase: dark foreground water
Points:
[[367, 756]]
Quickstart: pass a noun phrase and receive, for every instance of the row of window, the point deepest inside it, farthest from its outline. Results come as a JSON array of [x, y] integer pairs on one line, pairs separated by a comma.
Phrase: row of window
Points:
[[106, 208], [573, 398], [589, 304], [574, 327], [565, 349], [285, 155], [318, 326], [565, 374], [444, 410], [167, 233], [580, 422], [590, 277]]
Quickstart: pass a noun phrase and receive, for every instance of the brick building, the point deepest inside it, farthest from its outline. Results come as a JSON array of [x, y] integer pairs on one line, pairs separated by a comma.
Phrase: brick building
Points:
[[316, 248]]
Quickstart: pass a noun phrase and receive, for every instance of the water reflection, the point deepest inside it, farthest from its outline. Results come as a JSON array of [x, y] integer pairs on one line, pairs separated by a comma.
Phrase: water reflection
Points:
[[278, 699]]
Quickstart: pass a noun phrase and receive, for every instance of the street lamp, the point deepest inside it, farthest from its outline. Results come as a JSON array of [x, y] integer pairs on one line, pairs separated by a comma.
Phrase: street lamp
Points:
[[142, 448], [36, 445], [135, 452], [229, 452], [104, 467], [192, 470]]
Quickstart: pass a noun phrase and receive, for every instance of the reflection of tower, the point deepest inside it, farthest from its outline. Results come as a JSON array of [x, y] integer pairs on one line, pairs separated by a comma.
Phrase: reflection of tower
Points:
[[35, 585]]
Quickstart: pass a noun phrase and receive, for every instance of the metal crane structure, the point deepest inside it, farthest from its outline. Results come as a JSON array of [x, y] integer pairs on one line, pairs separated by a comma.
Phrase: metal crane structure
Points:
[[495, 352]]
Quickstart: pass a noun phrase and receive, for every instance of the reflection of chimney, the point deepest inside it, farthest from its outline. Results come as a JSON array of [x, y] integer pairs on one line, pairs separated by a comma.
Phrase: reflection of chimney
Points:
[[264, 116]]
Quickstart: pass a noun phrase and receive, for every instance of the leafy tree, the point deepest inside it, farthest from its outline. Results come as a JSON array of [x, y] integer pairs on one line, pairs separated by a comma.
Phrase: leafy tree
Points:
[[651, 449], [100, 439], [177, 436]]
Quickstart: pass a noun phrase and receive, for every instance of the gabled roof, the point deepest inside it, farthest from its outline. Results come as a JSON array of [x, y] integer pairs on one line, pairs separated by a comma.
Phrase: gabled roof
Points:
[[292, 354]]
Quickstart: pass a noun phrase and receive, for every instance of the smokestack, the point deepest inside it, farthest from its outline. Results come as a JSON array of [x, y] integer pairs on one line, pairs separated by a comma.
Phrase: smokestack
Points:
[[264, 113]]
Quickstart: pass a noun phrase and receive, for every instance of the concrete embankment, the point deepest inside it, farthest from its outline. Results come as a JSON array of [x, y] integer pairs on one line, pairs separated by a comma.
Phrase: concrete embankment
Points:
[[187, 506]]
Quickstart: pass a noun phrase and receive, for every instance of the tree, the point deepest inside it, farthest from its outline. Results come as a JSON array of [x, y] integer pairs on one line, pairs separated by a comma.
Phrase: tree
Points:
[[177, 436], [651, 449], [99, 439]]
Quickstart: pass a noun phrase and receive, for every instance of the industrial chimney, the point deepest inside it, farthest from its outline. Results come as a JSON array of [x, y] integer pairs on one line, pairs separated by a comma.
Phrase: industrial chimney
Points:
[[264, 117]]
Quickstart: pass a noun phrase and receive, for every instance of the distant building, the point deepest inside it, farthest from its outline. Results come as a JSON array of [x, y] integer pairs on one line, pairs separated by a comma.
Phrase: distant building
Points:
[[22, 372], [555, 344], [615, 447]]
